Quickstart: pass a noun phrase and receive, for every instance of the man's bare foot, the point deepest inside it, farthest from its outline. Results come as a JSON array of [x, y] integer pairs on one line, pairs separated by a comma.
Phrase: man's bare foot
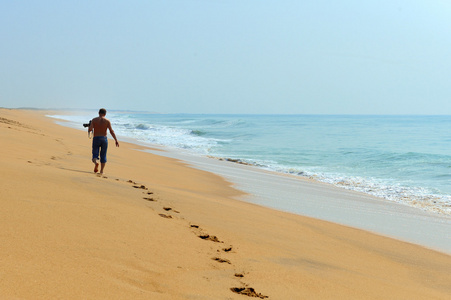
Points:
[[96, 168]]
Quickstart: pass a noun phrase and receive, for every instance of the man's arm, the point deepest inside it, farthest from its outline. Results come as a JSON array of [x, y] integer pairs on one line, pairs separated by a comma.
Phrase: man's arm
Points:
[[112, 134], [91, 126]]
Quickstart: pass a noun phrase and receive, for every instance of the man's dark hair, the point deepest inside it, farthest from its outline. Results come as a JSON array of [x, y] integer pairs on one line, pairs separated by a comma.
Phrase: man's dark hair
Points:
[[102, 111]]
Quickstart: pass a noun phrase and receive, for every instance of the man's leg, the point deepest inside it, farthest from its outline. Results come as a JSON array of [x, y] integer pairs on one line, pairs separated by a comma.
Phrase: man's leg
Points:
[[103, 150], [95, 154], [96, 167]]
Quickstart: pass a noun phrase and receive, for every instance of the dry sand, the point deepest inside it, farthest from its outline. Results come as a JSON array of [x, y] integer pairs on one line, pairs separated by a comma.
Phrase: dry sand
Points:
[[174, 232]]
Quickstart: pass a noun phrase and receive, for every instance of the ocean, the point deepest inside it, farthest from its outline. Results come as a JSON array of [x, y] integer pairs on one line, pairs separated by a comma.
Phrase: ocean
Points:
[[405, 159]]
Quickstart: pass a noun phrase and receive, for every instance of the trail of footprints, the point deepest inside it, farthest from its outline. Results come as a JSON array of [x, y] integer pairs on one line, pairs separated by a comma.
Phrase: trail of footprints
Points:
[[244, 289]]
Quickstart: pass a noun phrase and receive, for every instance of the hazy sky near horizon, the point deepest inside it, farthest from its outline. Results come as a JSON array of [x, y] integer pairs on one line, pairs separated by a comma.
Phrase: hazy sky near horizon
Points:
[[228, 56]]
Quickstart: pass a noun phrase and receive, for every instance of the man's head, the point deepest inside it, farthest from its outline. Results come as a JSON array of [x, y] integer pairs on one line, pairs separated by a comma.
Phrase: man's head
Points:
[[102, 112]]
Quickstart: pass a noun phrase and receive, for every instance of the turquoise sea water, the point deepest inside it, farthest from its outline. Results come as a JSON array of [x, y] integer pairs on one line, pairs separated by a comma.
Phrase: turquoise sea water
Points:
[[405, 159]]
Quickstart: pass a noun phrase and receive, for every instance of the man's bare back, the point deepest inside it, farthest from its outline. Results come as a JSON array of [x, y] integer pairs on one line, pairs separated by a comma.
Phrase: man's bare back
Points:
[[100, 126]]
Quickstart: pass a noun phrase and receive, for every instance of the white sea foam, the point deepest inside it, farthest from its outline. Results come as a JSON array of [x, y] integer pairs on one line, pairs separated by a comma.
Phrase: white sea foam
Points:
[[418, 197], [389, 189], [165, 136]]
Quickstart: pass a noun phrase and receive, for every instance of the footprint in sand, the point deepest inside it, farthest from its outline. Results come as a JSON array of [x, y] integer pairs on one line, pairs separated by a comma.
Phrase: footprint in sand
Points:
[[140, 187], [169, 208], [205, 236], [165, 216], [208, 237], [221, 260], [149, 199], [247, 291]]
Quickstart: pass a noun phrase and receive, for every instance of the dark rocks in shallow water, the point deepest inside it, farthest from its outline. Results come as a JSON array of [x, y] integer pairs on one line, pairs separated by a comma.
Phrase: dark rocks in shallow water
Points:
[[238, 161]]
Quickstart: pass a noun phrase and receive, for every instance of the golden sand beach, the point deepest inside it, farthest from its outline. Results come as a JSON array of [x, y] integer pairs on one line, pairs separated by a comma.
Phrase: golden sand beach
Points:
[[152, 227]]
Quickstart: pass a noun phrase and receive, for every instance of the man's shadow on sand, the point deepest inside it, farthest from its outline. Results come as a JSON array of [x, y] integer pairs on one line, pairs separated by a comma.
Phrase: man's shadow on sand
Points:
[[79, 171]]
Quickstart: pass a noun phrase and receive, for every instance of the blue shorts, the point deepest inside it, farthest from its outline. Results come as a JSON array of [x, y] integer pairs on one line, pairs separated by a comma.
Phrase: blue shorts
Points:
[[99, 143]]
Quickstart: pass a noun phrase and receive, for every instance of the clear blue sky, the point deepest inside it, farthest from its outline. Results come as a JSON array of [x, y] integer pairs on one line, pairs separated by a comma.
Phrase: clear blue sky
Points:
[[227, 56]]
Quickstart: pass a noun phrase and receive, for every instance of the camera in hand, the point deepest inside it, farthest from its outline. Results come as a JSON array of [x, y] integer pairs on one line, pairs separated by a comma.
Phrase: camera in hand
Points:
[[87, 124]]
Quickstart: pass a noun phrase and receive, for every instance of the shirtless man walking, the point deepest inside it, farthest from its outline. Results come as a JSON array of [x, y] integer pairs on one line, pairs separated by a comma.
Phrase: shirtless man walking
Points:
[[100, 141]]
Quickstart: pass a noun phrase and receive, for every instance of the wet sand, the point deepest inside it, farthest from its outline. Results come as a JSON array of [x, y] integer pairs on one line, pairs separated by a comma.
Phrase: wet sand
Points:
[[154, 228], [323, 201]]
